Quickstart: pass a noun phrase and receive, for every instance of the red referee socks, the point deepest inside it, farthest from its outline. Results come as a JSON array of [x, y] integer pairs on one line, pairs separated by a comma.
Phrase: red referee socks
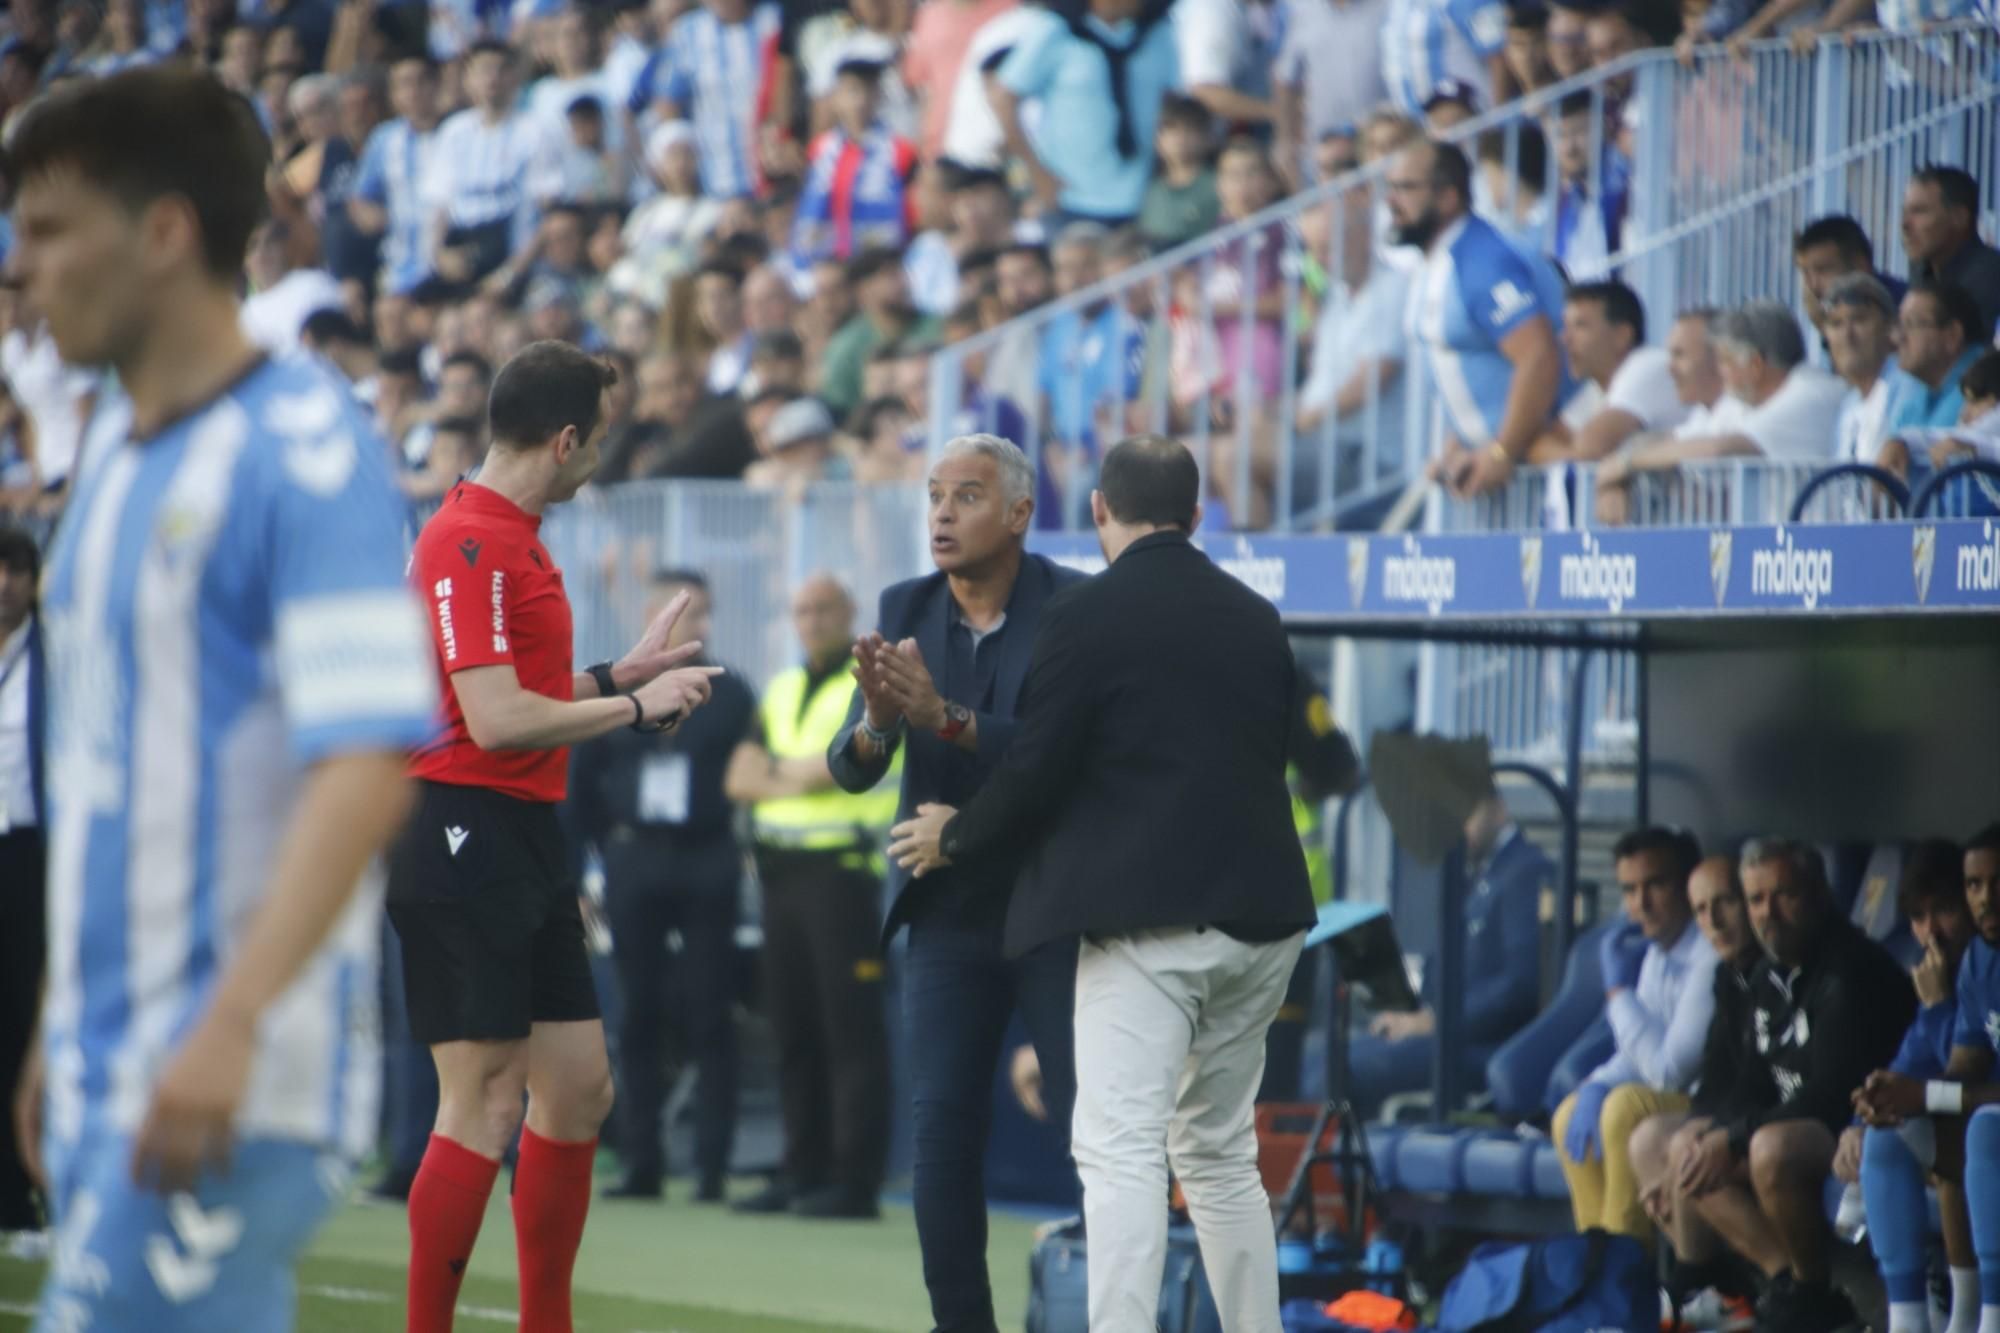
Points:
[[551, 1198], [447, 1204]]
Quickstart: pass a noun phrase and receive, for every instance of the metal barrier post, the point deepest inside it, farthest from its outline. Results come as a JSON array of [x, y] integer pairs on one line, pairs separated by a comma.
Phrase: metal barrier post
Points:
[[1831, 61], [1446, 1084]]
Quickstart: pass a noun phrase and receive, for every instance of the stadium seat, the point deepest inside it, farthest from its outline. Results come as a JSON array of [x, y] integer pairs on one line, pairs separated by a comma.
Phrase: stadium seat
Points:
[[1522, 1068], [1875, 908]]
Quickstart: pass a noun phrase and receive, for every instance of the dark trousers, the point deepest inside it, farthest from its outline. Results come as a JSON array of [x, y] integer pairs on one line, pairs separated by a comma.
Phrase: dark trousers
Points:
[[409, 1078], [1378, 1069], [958, 991], [823, 994], [645, 897], [23, 941]]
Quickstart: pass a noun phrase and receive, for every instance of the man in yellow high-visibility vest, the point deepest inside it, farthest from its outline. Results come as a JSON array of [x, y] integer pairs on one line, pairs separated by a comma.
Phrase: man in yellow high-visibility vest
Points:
[[818, 857]]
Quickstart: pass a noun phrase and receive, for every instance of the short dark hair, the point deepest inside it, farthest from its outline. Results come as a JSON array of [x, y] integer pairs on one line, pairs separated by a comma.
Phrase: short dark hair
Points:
[[1531, 154], [716, 268], [1621, 305], [1841, 232], [546, 387], [1957, 187], [874, 260], [18, 551], [328, 325], [401, 361], [1176, 109], [465, 356], [146, 134], [682, 576], [975, 178], [1451, 170], [1960, 307], [1682, 851], [1986, 840], [1578, 103], [490, 46], [1034, 250], [1151, 479], [459, 426], [778, 345], [1982, 380], [1933, 872]]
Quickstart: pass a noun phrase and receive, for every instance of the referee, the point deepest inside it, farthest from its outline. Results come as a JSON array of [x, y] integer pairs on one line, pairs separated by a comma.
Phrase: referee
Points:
[[493, 954]]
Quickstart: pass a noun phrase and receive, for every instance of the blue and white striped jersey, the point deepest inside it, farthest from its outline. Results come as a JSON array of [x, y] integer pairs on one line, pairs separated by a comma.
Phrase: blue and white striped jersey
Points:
[[1425, 42], [478, 172], [1473, 290], [712, 70], [394, 165], [225, 605]]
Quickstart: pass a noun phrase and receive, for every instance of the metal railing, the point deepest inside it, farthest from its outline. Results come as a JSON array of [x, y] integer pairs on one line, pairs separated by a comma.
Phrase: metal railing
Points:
[[1721, 161]]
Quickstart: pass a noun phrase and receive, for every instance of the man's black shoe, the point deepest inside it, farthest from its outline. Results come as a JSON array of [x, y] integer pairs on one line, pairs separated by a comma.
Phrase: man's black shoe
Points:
[[836, 1202], [773, 1198], [710, 1190], [635, 1187], [1790, 1306]]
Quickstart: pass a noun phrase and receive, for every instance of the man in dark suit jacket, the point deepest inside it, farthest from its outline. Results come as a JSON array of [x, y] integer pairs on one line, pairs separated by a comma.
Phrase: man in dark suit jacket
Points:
[[940, 679], [1146, 788]]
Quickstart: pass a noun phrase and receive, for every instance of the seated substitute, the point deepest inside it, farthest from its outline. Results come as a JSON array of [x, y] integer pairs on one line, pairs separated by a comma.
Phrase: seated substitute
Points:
[[1502, 959], [1659, 984], [1828, 1004], [1946, 1121]]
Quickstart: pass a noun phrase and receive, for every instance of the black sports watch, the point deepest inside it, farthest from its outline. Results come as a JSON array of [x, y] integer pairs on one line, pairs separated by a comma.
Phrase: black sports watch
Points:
[[607, 688]]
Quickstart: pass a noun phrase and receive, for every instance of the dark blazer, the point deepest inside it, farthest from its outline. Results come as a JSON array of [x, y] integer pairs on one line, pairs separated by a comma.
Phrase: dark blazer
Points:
[[1145, 784], [919, 609]]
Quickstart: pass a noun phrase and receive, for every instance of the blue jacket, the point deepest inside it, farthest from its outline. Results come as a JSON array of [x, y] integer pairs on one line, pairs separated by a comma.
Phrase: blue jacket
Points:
[[920, 609], [1503, 944]]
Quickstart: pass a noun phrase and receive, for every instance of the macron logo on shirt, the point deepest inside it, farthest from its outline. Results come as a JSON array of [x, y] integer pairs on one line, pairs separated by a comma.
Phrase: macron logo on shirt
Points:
[[1509, 301]]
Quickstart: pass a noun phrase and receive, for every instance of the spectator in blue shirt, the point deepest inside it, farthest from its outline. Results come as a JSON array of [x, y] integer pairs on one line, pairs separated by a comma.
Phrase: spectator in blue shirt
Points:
[[1099, 78], [1590, 204], [1090, 361], [1427, 42], [1485, 317], [388, 195], [709, 70], [1943, 333]]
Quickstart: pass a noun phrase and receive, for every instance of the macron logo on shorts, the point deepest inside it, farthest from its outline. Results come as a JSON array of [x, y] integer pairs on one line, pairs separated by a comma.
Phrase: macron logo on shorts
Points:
[[454, 838]]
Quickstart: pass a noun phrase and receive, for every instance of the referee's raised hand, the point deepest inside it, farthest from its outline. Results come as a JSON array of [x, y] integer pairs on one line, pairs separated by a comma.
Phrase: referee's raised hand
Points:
[[650, 656], [670, 696]]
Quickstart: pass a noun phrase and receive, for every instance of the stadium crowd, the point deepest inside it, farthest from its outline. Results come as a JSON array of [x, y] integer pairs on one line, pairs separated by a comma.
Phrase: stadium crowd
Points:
[[769, 216]]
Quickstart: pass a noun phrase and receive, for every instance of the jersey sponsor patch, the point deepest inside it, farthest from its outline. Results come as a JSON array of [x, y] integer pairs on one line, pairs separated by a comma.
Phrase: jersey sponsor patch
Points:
[[354, 656]]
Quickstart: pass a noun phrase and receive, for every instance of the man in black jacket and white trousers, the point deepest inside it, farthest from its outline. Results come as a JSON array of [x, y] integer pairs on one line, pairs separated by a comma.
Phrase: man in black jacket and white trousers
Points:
[[1145, 788]]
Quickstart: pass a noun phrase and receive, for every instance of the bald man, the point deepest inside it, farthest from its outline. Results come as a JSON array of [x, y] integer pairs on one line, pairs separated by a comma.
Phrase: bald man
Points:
[[817, 859]]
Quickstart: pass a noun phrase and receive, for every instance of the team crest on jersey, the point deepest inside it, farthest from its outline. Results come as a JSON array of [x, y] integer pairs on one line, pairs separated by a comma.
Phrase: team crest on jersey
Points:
[[1762, 1022], [1923, 556]]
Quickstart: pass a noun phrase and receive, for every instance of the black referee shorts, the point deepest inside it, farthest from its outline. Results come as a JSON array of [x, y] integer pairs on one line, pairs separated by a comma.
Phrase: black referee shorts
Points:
[[482, 900]]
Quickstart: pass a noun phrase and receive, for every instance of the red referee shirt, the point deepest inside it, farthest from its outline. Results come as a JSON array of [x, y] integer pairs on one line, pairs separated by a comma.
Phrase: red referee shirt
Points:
[[495, 596]]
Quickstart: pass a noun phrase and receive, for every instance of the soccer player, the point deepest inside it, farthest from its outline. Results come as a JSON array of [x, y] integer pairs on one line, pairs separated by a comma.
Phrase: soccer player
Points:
[[1965, 1102], [493, 953], [237, 671]]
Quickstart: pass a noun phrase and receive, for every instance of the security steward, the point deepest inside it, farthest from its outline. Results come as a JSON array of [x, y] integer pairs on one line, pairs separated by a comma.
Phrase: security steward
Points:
[[818, 853], [653, 805]]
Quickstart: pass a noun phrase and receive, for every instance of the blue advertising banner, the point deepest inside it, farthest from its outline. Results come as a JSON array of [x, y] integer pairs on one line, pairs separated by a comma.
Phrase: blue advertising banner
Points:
[[1637, 573]]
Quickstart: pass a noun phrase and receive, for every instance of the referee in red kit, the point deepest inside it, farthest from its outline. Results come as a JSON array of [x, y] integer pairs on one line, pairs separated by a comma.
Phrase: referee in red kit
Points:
[[493, 949]]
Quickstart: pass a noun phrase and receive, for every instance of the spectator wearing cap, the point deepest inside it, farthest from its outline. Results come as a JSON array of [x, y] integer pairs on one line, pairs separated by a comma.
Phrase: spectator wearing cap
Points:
[[1425, 42], [388, 195], [941, 35], [1328, 74], [1181, 202], [1941, 336], [477, 178], [1590, 204], [1941, 236], [1099, 78], [710, 69], [857, 192], [1450, 104], [883, 294], [1830, 248], [796, 440], [665, 233], [1858, 320]]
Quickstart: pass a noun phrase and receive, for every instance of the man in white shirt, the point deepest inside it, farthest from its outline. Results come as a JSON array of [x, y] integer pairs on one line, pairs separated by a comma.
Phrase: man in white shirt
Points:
[[972, 134], [1788, 409], [1659, 983], [1858, 318], [1627, 386], [56, 398], [477, 191], [283, 297], [1226, 54]]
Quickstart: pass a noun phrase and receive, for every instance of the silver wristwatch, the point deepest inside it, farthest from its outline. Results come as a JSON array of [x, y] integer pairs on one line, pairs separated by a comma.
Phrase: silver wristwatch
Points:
[[881, 740]]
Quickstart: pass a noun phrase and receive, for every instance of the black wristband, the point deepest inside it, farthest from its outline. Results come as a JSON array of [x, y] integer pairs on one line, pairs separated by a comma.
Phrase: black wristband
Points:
[[601, 673], [638, 713]]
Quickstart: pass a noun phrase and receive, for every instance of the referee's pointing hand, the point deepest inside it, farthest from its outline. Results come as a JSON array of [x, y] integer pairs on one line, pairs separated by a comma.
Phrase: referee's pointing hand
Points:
[[651, 656]]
